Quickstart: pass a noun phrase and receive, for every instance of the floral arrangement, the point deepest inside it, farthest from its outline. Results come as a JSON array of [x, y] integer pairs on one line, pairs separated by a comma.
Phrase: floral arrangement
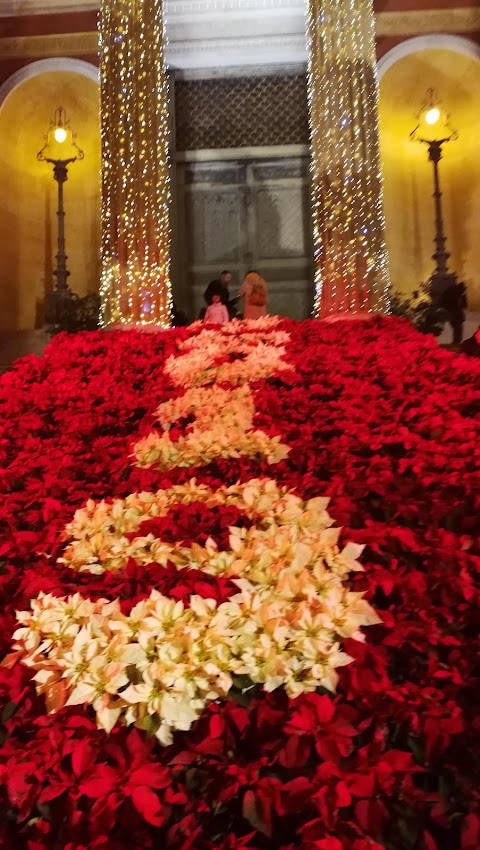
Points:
[[212, 436], [102, 558], [234, 356], [223, 416], [160, 666]]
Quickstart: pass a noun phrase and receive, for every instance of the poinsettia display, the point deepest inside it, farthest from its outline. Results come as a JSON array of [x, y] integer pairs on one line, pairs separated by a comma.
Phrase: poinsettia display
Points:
[[196, 655]]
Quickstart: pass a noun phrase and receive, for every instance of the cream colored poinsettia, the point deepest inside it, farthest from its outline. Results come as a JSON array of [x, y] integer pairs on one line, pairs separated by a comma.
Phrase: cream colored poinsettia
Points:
[[223, 427], [160, 665]]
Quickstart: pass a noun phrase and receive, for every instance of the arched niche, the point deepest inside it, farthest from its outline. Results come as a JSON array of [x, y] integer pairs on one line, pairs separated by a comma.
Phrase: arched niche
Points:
[[451, 65], [28, 192]]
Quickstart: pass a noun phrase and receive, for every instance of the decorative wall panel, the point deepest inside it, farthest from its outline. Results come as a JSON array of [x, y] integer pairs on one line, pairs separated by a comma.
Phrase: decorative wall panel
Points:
[[280, 219], [215, 225], [241, 112]]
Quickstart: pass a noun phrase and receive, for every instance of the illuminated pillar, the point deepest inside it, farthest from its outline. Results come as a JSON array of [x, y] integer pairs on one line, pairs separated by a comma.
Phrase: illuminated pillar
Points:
[[135, 277], [351, 263]]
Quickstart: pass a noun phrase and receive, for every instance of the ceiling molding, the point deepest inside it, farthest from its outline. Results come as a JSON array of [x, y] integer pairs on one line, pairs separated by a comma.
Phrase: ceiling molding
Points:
[[14, 8], [44, 46], [174, 8], [268, 50], [422, 22], [455, 19], [218, 34]]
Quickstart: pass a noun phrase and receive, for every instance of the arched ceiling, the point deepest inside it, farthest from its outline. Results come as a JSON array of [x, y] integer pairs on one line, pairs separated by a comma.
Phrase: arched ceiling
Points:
[[28, 221], [456, 79], [26, 114], [408, 173]]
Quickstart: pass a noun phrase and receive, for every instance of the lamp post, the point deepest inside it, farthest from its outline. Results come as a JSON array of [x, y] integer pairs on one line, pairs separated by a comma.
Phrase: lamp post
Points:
[[57, 134], [434, 131]]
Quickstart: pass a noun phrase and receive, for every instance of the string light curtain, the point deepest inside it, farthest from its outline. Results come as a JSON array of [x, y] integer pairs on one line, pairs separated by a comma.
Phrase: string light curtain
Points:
[[135, 276], [351, 263]]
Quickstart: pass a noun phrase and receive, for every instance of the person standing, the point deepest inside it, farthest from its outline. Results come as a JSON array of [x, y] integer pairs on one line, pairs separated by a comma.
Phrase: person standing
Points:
[[231, 303], [226, 279], [471, 346], [216, 312], [254, 294], [454, 302], [215, 287]]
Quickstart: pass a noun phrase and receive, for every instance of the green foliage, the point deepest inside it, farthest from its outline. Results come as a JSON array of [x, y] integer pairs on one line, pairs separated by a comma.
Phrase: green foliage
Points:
[[66, 311], [422, 310]]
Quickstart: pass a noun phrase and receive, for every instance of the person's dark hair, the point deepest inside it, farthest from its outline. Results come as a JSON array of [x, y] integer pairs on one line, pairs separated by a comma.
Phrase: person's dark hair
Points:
[[215, 287], [225, 271]]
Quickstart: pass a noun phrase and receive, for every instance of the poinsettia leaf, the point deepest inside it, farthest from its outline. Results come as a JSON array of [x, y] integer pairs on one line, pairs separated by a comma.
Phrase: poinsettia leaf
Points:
[[216, 726], [430, 843], [82, 757], [296, 751], [152, 775], [471, 832], [52, 791], [256, 813], [102, 782], [147, 803], [137, 746]]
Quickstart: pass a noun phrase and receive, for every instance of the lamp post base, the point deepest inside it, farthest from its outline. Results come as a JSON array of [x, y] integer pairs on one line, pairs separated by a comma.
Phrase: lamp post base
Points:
[[59, 306]]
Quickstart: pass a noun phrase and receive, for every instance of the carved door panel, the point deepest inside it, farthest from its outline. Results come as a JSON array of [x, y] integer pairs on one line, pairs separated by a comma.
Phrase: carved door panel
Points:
[[279, 233], [215, 225], [240, 216]]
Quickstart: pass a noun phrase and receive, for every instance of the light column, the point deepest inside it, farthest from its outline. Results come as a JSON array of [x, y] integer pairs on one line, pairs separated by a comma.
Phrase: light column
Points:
[[135, 277], [351, 263]]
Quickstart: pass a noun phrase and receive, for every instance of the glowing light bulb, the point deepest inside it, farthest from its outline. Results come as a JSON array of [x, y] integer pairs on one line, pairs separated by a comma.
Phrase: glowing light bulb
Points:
[[60, 135], [432, 116]]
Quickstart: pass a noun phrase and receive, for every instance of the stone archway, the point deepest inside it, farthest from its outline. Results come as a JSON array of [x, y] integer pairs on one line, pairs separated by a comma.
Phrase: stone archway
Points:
[[451, 65], [42, 66], [433, 41], [28, 193]]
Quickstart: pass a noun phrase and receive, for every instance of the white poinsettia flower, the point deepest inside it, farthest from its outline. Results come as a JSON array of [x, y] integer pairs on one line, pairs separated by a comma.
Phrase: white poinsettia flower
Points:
[[160, 665]]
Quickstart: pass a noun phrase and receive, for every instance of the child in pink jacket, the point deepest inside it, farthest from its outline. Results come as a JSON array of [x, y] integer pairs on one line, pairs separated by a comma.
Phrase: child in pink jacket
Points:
[[217, 312]]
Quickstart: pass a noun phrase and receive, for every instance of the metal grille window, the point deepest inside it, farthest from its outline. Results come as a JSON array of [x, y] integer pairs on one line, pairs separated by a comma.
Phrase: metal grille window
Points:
[[241, 112]]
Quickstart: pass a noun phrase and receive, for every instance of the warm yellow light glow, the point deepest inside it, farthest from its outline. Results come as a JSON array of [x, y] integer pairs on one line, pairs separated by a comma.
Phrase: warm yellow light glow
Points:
[[432, 116], [135, 281], [351, 263], [60, 135], [409, 208], [28, 220]]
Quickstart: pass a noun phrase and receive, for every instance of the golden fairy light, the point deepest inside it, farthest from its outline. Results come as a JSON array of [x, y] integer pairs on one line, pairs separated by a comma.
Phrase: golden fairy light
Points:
[[135, 278], [351, 262]]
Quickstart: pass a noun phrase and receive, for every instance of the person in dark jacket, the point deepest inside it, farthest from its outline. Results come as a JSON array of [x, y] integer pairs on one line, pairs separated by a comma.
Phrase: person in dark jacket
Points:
[[471, 346], [454, 302], [230, 303]]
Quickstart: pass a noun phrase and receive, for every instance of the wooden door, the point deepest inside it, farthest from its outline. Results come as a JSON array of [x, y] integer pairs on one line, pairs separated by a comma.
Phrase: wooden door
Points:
[[246, 215]]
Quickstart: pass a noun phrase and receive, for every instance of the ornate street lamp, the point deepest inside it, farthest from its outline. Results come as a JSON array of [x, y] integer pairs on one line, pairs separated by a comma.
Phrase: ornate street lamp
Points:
[[434, 131], [57, 135]]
